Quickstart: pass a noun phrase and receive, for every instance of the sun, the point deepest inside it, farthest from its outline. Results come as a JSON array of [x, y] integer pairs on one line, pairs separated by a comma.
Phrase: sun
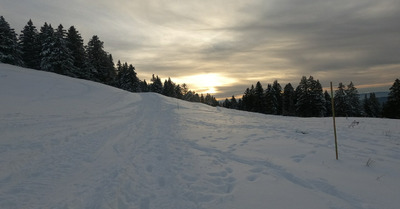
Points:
[[206, 83]]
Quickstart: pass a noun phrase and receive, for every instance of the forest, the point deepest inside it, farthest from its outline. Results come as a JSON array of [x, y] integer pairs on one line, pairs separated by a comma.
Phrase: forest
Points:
[[63, 52]]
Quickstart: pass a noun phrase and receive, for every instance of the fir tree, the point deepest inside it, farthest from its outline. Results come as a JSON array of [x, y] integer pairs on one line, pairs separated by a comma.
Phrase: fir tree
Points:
[[47, 40], [226, 103], [178, 92], [77, 49], [64, 61], [156, 86], [353, 101], [303, 106], [375, 106], [278, 95], [234, 103], [249, 99], [318, 99], [288, 101], [259, 99], [392, 106], [341, 102], [328, 104], [126, 78], [169, 88], [101, 61], [144, 87], [371, 106], [30, 46], [271, 103], [10, 51], [310, 98]]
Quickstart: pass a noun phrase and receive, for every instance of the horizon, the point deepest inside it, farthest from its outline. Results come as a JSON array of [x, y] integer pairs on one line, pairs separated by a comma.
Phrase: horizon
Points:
[[222, 48]]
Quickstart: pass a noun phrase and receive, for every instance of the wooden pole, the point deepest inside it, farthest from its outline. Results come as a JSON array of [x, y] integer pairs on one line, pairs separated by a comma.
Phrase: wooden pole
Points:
[[334, 121]]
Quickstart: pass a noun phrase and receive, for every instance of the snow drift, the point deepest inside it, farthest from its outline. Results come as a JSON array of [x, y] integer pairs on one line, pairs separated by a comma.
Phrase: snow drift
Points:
[[70, 143]]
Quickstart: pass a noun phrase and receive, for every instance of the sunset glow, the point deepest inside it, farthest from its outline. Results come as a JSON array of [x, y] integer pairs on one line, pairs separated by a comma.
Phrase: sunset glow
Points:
[[206, 83]]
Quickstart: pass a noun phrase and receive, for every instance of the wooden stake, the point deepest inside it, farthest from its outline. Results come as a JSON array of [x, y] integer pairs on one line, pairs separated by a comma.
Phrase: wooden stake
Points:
[[334, 121]]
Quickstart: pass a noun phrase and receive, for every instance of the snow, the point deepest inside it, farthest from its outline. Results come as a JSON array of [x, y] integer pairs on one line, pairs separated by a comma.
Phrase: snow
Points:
[[69, 143]]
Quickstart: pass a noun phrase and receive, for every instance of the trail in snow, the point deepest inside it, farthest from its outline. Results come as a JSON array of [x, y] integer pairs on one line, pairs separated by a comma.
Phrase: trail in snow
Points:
[[68, 143]]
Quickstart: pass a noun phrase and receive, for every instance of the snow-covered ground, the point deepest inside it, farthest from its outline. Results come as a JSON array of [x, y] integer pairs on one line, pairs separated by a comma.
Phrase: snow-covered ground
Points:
[[68, 143]]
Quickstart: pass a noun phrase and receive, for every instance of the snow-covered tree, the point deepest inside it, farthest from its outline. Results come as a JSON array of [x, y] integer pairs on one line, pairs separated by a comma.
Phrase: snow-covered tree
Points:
[[47, 54], [144, 87], [126, 78], [30, 46], [64, 60], [156, 85], [347, 101], [10, 51], [77, 49], [101, 61], [169, 88], [55, 56]]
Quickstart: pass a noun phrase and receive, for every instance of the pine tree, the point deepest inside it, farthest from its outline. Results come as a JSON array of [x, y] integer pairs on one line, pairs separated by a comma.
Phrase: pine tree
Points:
[[392, 106], [288, 101], [353, 101], [30, 46], [366, 106], [271, 102], [77, 49], [47, 40], [178, 92], [259, 99], [234, 103], [248, 99], [226, 103], [310, 98], [156, 86], [341, 101], [169, 88], [278, 95], [64, 61], [10, 51], [126, 78], [144, 87], [101, 61], [371, 106], [318, 99], [303, 106], [328, 104]]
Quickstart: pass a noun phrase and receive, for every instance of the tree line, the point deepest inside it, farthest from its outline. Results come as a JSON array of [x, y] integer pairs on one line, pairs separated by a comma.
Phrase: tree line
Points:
[[64, 52], [309, 100]]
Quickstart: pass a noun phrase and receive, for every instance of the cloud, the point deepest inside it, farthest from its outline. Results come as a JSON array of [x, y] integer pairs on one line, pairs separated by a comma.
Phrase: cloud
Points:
[[263, 40]]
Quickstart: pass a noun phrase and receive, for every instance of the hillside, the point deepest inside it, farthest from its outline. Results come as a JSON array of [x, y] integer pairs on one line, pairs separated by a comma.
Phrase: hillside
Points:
[[68, 143]]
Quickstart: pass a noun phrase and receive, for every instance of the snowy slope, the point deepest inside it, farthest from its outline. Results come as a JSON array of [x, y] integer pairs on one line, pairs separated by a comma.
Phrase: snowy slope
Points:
[[68, 143]]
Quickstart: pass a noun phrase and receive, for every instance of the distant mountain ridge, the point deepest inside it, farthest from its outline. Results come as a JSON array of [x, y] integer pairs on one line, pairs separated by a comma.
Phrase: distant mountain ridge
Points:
[[382, 96]]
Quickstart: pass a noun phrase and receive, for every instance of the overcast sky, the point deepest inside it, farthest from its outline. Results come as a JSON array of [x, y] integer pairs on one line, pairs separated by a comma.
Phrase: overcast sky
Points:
[[227, 45]]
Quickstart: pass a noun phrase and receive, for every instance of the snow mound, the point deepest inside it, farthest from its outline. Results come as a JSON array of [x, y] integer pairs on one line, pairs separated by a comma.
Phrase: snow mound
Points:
[[70, 143]]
